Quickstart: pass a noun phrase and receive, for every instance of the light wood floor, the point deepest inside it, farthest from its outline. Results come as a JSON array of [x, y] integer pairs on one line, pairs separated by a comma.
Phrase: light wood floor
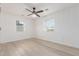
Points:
[[36, 47]]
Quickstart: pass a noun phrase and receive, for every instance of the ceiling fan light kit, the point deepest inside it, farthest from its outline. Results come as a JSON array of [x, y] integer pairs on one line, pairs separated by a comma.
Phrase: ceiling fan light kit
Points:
[[33, 15]]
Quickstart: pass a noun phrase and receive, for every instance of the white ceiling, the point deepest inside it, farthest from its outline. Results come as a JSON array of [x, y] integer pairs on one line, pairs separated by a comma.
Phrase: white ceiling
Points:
[[19, 8]]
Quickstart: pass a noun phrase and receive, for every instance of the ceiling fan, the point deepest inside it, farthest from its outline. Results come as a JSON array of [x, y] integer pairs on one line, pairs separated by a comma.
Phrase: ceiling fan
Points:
[[34, 12]]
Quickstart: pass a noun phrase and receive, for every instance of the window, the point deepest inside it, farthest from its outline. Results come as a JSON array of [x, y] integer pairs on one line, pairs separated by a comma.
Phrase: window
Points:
[[50, 24], [19, 25]]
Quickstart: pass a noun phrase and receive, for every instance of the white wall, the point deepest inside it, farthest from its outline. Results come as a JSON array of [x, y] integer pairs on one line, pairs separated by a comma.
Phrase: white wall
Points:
[[8, 25], [67, 27]]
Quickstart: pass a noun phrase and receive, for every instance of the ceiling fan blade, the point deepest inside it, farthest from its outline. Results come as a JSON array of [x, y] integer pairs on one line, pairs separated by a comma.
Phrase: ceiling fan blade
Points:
[[37, 15], [29, 14], [28, 10], [39, 11]]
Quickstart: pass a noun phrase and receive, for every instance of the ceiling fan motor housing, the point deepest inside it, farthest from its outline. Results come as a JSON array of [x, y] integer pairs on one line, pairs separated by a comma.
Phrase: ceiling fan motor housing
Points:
[[34, 8]]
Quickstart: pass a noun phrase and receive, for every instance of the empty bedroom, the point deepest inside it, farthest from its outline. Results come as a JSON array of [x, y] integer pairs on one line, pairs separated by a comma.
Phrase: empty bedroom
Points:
[[39, 29]]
